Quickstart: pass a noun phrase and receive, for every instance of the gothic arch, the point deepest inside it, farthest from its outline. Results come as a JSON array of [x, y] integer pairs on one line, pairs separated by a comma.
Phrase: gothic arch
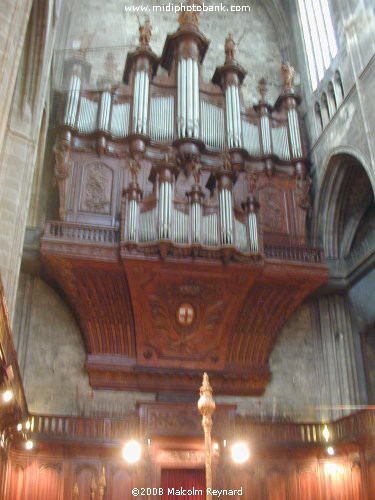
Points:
[[344, 196]]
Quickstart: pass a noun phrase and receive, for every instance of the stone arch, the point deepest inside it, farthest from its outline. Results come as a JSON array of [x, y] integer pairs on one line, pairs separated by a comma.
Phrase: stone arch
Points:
[[345, 195]]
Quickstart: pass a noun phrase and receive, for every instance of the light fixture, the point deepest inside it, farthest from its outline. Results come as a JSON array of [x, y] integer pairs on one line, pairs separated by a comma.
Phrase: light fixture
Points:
[[29, 445], [215, 447], [19, 427], [240, 453], [224, 443], [330, 451], [7, 395], [132, 451], [27, 425], [326, 433]]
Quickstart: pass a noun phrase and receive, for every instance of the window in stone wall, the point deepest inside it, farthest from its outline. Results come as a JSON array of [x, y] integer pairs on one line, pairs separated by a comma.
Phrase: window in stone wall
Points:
[[319, 37]]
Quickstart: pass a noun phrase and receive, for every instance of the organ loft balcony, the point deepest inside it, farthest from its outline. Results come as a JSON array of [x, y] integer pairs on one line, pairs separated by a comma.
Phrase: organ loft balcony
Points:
[[181, 244]]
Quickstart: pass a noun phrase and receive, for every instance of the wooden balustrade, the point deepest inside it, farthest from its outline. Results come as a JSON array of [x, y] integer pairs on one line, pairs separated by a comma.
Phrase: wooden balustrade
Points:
[[294, 253], [68, 428], [259, 434], [81, 232]]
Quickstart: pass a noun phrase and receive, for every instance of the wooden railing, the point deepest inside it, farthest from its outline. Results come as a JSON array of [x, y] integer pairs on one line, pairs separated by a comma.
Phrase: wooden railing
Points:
[[297, 253], [260, 434], [81, 232], [93, 429]]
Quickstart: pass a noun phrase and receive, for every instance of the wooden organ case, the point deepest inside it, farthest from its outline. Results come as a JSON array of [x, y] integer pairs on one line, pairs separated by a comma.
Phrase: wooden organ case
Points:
[[181, 244]]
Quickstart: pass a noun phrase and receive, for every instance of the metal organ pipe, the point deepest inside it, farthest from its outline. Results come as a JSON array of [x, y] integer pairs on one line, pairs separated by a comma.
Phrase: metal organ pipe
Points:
[[294, 133], [228, 104], [253, 232], [105, 110], [140, 102], [226, 216], [188, 98], [266, 134], [165, 210], [72, 101]]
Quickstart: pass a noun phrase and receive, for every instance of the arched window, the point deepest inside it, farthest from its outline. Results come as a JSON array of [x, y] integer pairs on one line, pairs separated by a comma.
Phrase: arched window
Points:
[[325, 111], [319, 37], [319, 119], [332, 103], [339, 89]]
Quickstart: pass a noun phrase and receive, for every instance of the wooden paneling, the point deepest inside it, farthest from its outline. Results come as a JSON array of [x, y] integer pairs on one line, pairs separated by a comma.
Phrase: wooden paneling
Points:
[[276, 485], [120, 482], [49, 482], [308, 484], [17, 482]]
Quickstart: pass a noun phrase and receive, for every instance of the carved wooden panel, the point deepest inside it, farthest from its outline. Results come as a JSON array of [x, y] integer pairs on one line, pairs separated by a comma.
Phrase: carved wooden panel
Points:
[[276, 485], [273, 214], [120, 483], [17, 482], [159, 291], [49, 481], [96, 188], [356, 482], [86, 482], [308, 485]]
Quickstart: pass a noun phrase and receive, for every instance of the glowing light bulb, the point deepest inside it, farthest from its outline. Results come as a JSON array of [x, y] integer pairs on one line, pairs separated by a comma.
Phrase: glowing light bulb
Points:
[[326, 433], [27, 425], [7, 396], [29, 445], [330, 451], [19, 427], [132, 452], [240, 453]]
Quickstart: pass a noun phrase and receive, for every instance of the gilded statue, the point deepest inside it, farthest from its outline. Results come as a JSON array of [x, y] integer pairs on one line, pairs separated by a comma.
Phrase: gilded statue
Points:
[[229, 48], [190, 17], [145, 31], [287, 75]]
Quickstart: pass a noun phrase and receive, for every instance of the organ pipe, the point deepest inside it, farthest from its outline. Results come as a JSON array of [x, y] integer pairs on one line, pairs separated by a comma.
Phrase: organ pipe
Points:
[[232, 101], [140, 102], [188, 98], [72, 101], [294, 133]]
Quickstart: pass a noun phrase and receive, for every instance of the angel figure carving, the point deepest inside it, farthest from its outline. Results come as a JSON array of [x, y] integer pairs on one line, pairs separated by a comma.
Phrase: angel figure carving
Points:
[[145, 32], [229, 48]]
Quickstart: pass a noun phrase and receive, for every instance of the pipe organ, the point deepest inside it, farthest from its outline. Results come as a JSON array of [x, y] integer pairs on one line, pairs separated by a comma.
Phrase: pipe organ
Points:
[[182, 218]]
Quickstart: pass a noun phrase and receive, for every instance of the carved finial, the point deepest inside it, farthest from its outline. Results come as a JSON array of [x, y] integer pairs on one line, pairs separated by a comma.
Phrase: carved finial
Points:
[[75, 492], [262, 88], [229, 48], [206, 403], [145, 32], [190, 13], [287, 75], [93, 488]]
